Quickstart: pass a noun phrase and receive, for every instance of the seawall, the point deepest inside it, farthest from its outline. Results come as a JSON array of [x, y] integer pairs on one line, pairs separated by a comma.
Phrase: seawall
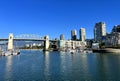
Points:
[[107, 50]]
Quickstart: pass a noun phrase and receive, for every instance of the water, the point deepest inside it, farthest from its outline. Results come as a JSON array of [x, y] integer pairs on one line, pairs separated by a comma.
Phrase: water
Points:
[[36, 65]]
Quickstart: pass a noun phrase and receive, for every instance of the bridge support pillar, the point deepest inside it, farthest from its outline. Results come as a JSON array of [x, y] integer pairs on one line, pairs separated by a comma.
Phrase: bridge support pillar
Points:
[[10, 42], [46, 43]]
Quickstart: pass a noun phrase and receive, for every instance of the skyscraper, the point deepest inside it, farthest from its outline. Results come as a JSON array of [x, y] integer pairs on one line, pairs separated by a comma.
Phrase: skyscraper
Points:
[[82, 34], [61, 37], [116, 28], [99, 31], [73, 35]]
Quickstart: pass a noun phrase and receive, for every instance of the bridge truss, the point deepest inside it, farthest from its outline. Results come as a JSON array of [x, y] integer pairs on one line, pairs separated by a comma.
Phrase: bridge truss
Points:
[[29, 36]]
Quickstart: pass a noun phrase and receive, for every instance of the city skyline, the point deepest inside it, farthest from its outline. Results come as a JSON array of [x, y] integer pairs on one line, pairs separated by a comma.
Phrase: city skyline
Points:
[[56, 17]]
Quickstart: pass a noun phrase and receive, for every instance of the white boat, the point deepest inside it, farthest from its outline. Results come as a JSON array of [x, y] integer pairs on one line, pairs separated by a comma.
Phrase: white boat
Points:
[[89, 51], [7, 53], [72, 51], [16, 52]]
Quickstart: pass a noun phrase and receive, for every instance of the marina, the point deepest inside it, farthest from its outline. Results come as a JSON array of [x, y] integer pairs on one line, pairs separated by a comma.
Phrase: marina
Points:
[[9, 52]]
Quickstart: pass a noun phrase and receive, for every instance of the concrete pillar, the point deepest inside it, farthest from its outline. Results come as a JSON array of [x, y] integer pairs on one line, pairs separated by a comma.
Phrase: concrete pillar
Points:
[[10, 42], [46, 43]]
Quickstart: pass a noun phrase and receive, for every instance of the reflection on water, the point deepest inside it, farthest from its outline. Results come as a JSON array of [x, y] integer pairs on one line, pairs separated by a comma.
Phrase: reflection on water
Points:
[[38, 65], [8, 68], [46, 69]]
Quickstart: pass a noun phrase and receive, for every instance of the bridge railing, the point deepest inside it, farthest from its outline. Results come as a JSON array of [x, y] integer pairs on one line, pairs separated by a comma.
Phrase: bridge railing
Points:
[[29, 36]]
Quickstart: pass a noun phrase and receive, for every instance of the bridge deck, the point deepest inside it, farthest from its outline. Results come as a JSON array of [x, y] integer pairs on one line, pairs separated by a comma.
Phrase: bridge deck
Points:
[[6, 39]]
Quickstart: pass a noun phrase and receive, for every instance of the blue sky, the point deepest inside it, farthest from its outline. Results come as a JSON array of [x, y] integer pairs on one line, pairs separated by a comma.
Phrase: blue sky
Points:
[[55, 17]]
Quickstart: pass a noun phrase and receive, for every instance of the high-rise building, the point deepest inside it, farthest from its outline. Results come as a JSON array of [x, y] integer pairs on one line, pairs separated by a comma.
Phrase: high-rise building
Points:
[[99, 31], [73, 35], [61, 37], [82, 34], [116, 28], [113, 38]]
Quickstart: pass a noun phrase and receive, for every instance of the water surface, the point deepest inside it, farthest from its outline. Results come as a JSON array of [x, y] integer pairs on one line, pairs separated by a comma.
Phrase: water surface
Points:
[[35, 65]]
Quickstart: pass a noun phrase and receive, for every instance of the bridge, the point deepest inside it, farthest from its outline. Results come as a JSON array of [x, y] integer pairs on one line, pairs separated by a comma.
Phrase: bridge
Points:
[[28, 37]]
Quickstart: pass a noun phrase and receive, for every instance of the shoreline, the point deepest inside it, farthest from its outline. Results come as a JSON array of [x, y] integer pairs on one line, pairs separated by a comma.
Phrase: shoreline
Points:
[[31, 49], [106, 50]]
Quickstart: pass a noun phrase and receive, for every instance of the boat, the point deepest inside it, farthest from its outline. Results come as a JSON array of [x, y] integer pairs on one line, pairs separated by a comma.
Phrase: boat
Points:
[[16, 52], [72, 51], [7, 53]]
